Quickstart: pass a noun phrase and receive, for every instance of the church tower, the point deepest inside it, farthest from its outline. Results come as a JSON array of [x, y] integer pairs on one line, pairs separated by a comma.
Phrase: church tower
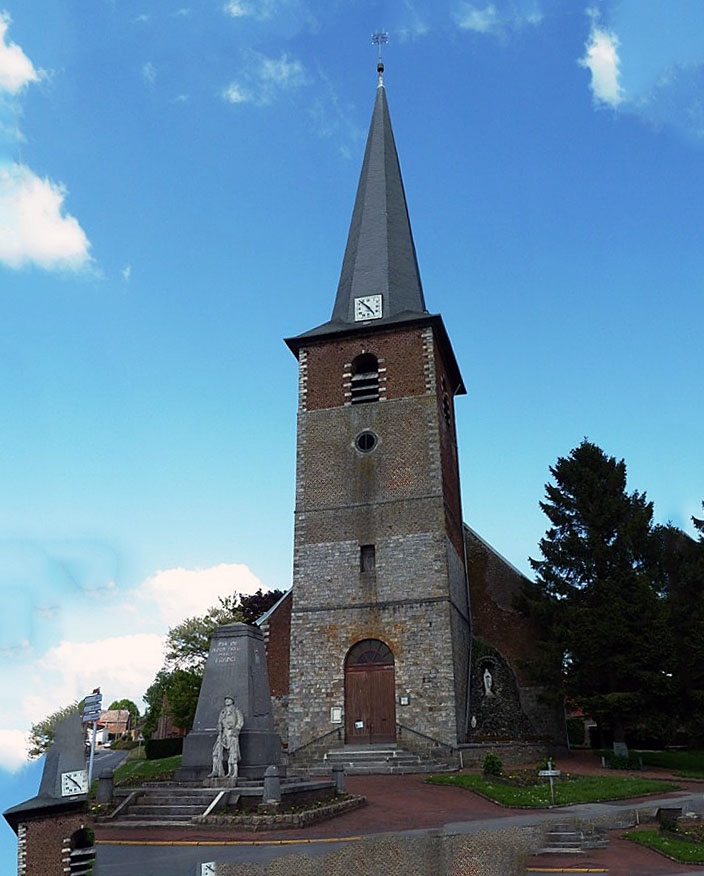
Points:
[[380, 627]]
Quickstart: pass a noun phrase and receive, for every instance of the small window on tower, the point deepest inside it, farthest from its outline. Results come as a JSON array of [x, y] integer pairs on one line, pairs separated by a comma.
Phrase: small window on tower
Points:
[[365, 379], [367, 557]]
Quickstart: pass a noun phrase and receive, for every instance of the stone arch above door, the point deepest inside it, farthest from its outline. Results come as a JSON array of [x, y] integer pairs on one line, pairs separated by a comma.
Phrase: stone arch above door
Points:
[[370, 694]]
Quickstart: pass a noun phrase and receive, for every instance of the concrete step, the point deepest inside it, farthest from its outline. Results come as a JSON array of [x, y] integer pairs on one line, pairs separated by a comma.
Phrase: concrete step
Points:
[[563, 839], [202, 800], [161, 821], [375, 760], [166, 811], [168, 804]]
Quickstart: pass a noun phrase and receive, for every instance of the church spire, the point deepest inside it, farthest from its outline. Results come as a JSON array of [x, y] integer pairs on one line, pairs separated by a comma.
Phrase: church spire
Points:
[[380, 258], [380, 278]]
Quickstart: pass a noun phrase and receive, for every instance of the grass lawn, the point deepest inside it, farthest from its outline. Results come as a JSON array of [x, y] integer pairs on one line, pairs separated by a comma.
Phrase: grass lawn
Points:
[[682, 850], [686, 764], [576, 789], [137, 769]]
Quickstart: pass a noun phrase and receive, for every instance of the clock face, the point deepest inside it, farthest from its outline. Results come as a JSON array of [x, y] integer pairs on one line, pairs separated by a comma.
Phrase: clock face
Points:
[[367, 307], [74, 783]]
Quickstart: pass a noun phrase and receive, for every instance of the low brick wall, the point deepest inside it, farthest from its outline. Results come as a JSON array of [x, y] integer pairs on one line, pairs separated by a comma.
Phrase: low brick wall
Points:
[[281, 821]]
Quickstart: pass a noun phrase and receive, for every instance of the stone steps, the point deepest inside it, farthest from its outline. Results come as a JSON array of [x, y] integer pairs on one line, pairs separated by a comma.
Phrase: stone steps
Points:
[[168, 805], [568, 838], [376, 760], [563, 839]]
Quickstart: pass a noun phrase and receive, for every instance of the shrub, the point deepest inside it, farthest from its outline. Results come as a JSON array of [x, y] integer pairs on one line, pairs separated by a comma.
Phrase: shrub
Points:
[[493, 765], [632, 762], [156, 749]]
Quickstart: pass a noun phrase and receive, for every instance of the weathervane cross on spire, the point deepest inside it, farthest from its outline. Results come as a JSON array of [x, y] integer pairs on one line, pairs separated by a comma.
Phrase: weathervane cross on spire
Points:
[[379, 39]]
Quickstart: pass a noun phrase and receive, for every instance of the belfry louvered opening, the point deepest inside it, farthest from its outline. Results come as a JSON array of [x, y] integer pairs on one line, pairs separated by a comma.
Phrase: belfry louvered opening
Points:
[[365, 379]]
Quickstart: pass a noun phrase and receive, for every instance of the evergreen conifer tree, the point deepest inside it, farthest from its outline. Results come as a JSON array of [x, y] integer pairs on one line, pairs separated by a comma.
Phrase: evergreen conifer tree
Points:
[[597, 590]]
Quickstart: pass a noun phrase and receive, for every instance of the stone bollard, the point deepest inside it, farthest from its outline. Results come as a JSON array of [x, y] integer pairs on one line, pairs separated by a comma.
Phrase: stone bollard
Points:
[[338, 776], [272, 785], [106, 781]]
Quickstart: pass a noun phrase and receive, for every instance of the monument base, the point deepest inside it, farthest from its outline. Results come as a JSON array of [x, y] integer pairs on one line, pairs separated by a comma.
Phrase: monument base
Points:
[[259, 749]]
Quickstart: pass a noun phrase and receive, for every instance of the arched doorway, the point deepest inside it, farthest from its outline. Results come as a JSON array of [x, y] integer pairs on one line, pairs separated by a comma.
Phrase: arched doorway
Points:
[[370, 693]]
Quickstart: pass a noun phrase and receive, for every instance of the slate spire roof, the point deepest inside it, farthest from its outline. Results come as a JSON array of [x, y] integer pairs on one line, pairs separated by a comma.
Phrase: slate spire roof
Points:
[[380, 256]]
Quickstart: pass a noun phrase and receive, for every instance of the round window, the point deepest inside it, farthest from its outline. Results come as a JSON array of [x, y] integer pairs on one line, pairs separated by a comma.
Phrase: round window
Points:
[[365, 442]]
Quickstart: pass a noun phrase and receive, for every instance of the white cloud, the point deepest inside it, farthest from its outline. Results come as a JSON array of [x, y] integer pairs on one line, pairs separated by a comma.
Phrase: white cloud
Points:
[[117, 646], [282, 72], [601, 58], [237, 9], [16, 70], [115, 663], [498, 19], [234, 93], [264, 78], [479, 20], [34, 229], [149, 72], [180, 593], [259, 9], [13, 750], [126, 272]]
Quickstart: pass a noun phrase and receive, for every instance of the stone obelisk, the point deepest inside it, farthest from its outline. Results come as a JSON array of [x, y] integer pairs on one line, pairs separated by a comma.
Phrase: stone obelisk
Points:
[[236, 667]]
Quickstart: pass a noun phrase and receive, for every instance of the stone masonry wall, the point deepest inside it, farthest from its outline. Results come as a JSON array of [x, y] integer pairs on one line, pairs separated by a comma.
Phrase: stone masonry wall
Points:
[[420, 637]]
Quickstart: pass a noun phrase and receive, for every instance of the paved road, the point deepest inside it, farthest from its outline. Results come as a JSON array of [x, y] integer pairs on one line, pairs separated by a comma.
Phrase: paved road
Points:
[[107, 759], [398, 804], [188, 860]]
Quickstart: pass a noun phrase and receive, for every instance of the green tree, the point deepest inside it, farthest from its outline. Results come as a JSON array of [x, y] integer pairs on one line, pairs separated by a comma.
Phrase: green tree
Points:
[[599, 591], [187, 647], [683, 565], [41, 734], [180, 689], [187, 643]]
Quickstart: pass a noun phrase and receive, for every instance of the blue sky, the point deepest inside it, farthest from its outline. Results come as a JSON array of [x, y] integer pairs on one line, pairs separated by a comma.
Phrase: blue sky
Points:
[[176, 184]]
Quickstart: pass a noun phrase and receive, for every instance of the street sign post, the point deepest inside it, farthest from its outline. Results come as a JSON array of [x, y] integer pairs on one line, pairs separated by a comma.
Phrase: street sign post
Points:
[[91, 715], [550, 774]]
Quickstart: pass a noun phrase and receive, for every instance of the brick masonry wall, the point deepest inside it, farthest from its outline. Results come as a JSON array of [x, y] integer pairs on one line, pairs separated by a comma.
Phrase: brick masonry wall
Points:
[[444, 394], [45, 838], [327, 362], [404, 465]]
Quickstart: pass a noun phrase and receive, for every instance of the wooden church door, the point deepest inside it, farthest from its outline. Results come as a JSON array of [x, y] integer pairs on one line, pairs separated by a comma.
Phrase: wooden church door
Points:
[[370, 694]]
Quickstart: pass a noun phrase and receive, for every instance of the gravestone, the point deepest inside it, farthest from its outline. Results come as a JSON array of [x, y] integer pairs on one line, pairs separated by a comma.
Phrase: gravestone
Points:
[[235, 668]]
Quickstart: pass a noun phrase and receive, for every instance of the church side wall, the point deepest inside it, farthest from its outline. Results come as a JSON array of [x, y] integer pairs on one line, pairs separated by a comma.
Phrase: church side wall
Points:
[[494, 584]]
